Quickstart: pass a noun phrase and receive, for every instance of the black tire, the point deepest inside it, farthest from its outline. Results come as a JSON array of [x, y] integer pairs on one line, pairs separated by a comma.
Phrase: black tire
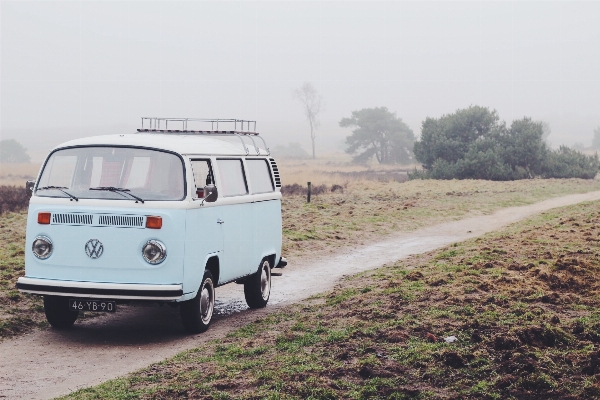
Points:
[[58, 313], [257, 287], [196, 313]]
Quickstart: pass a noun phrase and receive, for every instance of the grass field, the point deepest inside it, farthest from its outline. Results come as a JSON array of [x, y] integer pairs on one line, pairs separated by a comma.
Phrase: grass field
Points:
[[522, 303], [12, 174], [364, 212], [19, 313], [337, 168]]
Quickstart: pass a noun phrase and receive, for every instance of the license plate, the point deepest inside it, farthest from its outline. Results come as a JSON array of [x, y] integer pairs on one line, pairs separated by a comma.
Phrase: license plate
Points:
[[92, 305]]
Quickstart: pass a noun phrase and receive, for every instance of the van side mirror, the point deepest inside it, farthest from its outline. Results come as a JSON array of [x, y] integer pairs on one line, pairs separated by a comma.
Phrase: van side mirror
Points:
[[211, 194], [29, 185]]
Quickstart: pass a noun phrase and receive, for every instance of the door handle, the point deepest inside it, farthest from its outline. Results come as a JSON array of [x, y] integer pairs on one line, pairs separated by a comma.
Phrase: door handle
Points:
[[220, 221]]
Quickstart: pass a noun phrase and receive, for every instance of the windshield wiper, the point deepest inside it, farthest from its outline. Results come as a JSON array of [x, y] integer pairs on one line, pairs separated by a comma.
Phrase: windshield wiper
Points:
[[120, 191], [61, 189]]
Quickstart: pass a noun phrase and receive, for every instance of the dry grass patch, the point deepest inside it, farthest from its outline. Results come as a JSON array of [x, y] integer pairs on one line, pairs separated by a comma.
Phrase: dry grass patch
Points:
[[366, 210], [15, 174], [522, 303], [19, 312], [338, 168]]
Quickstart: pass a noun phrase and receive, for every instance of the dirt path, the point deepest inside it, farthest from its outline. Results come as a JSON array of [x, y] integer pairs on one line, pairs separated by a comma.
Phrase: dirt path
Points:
[[45, 364]]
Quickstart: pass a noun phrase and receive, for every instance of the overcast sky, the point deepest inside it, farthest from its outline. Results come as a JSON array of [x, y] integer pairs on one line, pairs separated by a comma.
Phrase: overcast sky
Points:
[[69, 69]]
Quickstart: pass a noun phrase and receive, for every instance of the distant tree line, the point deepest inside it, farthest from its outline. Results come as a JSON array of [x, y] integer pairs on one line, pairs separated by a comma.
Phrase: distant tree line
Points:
[[472, 143], [12, 151]]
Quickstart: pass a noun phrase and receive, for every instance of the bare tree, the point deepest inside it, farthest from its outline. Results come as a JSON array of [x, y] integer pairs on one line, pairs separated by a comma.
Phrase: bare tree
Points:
[[312, 103]]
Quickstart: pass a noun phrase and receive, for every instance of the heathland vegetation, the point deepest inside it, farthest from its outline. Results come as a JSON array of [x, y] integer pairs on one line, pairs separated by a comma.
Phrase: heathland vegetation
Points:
[[513, 314]]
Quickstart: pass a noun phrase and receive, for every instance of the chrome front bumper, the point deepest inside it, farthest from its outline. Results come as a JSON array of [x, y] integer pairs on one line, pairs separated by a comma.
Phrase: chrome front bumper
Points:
[[127, 291]]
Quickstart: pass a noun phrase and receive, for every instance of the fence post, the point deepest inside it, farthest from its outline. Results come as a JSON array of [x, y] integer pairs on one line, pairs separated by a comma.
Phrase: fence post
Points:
[[308, 194]]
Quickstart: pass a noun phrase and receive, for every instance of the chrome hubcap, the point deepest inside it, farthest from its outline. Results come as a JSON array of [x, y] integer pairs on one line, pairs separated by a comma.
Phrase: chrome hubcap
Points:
[[265, 281], [206, 301]]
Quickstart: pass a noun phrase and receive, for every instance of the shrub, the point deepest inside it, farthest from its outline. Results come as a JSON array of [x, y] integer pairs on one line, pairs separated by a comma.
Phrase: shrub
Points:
[[297, 189], [474, 144], [13, 198], [568, 163]]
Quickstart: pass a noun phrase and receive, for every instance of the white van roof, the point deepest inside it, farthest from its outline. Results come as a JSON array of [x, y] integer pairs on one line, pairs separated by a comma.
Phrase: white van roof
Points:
[[184, 144]]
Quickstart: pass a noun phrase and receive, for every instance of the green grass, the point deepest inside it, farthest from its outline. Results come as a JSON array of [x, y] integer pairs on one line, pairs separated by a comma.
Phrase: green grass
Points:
[[380, 334]]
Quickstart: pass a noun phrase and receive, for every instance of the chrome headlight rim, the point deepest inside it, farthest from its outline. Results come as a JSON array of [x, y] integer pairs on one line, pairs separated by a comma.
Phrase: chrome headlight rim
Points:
[[162, 249], [47, 240]]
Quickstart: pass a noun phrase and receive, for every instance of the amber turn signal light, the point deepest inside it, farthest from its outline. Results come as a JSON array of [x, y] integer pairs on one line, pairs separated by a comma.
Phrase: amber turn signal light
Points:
[[154, 222], [44, 218]]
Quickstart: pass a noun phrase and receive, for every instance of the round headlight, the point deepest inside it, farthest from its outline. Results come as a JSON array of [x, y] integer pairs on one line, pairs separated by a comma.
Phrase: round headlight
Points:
[[42, 247], [154, 251]]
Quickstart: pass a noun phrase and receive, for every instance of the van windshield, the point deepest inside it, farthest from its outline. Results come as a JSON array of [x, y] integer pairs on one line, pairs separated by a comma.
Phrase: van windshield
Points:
[[146, 174]]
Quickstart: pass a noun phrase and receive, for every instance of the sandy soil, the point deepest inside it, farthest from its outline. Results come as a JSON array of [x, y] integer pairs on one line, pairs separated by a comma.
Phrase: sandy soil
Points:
[[49, 363]]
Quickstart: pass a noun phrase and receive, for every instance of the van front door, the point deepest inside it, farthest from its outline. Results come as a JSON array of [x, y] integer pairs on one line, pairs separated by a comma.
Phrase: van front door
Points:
[[204, 233], [235, 210]]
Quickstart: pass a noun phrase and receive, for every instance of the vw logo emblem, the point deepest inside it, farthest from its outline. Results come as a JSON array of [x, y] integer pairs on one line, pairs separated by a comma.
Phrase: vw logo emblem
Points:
[[94, 248]]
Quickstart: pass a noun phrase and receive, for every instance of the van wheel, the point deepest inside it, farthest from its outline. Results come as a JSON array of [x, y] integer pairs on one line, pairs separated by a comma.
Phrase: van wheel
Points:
[[257, 287], [58, 313], [197, 313]]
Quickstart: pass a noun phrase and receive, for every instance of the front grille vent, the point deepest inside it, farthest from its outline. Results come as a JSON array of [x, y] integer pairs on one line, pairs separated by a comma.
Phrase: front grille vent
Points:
[[275, 173], [121, 220], [72, 219]]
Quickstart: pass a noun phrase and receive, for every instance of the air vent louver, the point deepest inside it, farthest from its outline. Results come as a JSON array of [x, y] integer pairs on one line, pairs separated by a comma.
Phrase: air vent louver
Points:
[[275, 173], [121, 220], [72, 219]]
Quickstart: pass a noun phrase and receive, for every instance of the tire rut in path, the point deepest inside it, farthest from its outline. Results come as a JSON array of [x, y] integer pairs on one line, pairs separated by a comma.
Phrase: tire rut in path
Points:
[[49, 363]]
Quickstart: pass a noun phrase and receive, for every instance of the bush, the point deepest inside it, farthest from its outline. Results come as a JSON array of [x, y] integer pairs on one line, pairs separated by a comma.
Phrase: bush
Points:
[[474, 144], [13, 198], [568, 163], [296, 189]]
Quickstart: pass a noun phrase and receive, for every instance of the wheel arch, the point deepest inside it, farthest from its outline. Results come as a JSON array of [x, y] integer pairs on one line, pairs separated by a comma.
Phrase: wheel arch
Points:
[[212, 264], [271, 256]]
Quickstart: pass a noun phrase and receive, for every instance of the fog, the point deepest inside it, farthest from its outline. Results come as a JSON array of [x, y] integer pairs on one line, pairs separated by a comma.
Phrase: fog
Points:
[[72, 69]]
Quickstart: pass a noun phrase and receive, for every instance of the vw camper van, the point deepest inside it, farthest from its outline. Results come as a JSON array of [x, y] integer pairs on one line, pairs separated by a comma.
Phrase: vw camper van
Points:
[[165, 214]]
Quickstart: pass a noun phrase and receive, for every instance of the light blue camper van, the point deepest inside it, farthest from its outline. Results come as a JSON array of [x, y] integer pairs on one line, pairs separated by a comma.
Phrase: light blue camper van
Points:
[[165, 214]]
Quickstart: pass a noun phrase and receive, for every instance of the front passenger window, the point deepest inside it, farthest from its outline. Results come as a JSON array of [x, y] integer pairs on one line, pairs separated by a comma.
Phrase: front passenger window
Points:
[[202, 175]]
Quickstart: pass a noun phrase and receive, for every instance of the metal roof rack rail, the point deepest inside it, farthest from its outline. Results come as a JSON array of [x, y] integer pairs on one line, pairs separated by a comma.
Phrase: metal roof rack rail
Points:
[[241, 129]]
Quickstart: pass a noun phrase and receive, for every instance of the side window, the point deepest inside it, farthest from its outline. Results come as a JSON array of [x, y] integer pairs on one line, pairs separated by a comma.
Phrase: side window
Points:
[[259, 176], [231, 174], [202, 175]]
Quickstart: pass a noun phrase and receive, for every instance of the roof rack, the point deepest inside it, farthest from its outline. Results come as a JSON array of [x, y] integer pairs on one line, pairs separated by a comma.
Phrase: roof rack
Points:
[[241, 128]]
